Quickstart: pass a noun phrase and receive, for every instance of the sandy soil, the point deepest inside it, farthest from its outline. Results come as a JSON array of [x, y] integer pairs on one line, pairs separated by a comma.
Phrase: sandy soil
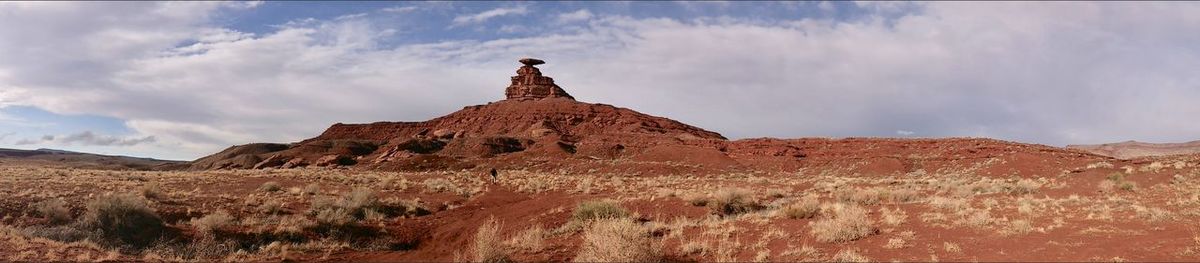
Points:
[[1007, 207]]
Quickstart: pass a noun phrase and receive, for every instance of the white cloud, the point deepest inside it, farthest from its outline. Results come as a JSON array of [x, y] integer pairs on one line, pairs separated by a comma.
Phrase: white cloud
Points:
[[487, 15], [90, 138], [1053, 73], [399, 9], [580, 15]]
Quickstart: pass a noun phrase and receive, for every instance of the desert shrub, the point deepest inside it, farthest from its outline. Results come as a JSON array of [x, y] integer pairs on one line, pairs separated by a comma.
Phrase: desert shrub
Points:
[[893, 217], [1127, 186], [153, 191], [1106, 186], [312, 189], [732, 201], [951, 247], [405, 207], [270, 207], [439, 185], [271, 186], [205, 249], [345, 211], [903, 196], [1025, 186], [895, 243], [805, 208], [695, 199], [59, 233], [776, 193], [1116, 181], [592, 210], [843, 223], [617, 240], [849, 255], [949, 204], [488, 243], [293, 225], [213, 221], [693, 247], [123, 217], [55, 210], [1021, 226], [869, 196], [1152, 214], [532, 239], [979, 218]]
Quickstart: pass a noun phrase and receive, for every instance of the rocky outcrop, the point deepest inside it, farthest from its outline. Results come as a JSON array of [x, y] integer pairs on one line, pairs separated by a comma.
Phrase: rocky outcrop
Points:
[[537, 120], [540, 127], [1135, 149], [530, 84]]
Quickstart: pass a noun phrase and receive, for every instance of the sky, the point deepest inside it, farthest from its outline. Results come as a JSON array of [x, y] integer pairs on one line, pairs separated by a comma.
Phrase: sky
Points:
[[180, 80]]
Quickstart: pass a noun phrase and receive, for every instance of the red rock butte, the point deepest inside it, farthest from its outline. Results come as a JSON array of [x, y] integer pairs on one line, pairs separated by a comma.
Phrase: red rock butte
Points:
[[530, 84], [538, 126]]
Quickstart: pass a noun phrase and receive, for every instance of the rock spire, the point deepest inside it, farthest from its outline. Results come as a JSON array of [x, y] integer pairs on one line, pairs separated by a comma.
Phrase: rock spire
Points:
[[529, 84]]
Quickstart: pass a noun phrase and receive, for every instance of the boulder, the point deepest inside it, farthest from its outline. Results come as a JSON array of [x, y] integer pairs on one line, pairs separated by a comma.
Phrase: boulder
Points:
[[334, 160], [270, 162]]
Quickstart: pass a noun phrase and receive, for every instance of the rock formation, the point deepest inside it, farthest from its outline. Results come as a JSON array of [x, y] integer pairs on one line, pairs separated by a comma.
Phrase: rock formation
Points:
[[540, 127], [530, 84], [1135, 149]]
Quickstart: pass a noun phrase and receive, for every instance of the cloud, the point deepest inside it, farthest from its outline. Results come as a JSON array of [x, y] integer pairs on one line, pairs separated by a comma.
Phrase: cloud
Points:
[[399, 9], [5, 135], [487, 15], [1014, 71], [45, 138], [580, 15], [89, 138]]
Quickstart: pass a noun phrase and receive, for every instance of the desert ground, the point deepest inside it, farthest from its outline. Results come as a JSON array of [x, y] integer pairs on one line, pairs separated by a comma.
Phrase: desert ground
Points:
[[1110, 210]]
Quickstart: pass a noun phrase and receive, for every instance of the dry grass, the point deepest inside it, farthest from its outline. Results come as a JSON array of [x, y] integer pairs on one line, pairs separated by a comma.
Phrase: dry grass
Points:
[[696, 199], [123, 217], [892, 217], [895, 243], [1153, 214], [841, 223], [271, 186], [1021, 226], [808, 207], [849, 255], [488, 244], [312, 189], [153, 191], [532, 239], [951, 247], [55, 210], [617, 240], [732, 201], [804, 253], [693, 248], [213, 221], [602, 209]]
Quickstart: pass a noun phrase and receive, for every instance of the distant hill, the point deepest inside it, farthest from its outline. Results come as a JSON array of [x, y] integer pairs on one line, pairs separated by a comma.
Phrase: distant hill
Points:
[[69, 159], [540, 127], [1135, 149]]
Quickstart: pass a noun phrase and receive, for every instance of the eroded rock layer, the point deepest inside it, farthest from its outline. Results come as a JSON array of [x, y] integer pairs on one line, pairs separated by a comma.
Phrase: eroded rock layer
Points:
[[540, 127]]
